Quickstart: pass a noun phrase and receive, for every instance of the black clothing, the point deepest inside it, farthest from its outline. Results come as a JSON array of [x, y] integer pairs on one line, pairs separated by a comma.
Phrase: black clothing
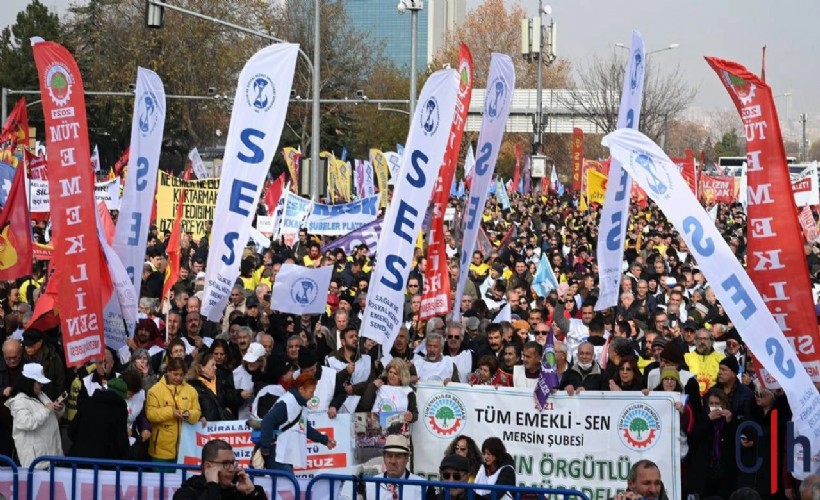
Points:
[[100, 429], [195, 488]]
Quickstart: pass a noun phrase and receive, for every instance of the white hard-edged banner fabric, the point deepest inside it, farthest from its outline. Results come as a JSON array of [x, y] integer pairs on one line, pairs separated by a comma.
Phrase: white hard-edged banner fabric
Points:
[[259, 109], [420, 163], [197, 165], [327, 220], [586, 442], [805, 187], [500, 86], [615, 211], [301, 290], [131, 234], [660, 178], [39, 200], [120, 313]]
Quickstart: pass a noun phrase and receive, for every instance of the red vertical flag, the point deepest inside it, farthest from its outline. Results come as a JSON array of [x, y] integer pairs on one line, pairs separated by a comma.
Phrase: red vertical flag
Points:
[[173, 248], [776, 261], [81, 262], [577, 158], [273, 193], [15, 232], [436, 297], [14, 133]]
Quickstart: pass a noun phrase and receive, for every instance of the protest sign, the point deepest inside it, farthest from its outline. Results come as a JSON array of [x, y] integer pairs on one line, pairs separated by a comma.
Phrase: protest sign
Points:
[[586, 442], [200, 199]]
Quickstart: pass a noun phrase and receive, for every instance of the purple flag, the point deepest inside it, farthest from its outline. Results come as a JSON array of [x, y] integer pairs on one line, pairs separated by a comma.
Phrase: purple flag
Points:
[[549, 378], [367, 234]]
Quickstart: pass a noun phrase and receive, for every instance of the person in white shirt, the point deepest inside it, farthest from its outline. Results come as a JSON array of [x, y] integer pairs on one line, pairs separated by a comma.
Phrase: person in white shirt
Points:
[[434, 367], [396, 455]]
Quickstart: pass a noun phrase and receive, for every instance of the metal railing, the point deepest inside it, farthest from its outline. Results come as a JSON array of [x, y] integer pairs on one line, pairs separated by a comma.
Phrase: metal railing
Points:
[[15, 479], [497, 492]]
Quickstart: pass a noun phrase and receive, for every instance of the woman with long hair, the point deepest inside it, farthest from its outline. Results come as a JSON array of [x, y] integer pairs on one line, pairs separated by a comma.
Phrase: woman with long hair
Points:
[[712, 462], [498, 469], [627, 377], [141, 363], [169, 403], [35, 426], [466, 447], [391, 392], [202, 377]]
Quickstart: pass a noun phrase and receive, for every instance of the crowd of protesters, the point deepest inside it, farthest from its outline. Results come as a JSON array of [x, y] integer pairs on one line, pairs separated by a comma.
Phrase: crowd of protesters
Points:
[[667, 333]]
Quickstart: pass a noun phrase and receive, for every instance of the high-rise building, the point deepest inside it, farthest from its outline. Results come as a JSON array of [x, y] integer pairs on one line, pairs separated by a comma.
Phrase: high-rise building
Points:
[[390, 30]]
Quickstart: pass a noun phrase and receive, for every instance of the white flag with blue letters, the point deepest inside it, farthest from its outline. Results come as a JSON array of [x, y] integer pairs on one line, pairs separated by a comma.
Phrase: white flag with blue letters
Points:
[[301, 290], [259, 109]]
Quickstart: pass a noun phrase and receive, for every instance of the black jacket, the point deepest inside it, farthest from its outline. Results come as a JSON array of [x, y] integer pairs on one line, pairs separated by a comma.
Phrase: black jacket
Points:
[[595, 380], [195, 488], [100, 429], [214, 406]]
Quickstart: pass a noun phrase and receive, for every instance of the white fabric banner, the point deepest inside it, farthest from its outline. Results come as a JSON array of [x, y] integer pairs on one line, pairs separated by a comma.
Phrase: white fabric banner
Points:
[[469, 163], [500, 85], [131, 235], [197, 165], [39, 201], [301, 290], [420, 164], [358, 178], [259, 109], [369, 179], [337, 220], [615, 211], [659, 177], [805, 187], [586, 442], [95, 159], [393, 165], [294, 213]]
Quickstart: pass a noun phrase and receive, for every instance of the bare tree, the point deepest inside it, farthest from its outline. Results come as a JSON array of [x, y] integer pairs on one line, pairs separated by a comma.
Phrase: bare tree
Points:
[[597, 95]]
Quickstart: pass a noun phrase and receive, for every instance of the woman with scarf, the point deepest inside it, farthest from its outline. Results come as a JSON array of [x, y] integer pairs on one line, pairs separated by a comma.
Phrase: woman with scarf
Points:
[[713, 471]]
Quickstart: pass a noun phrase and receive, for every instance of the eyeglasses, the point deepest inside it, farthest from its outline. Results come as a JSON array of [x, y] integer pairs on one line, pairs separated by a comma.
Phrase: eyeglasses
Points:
[[541, 332], [460, 448], [412, 286], [227, 464], [701, 338], [455, 476], [453, 337]]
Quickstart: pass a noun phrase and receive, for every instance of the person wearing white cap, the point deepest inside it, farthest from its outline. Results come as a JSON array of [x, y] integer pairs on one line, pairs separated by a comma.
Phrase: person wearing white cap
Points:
[[36, 430], [396, 456], [252, 362]]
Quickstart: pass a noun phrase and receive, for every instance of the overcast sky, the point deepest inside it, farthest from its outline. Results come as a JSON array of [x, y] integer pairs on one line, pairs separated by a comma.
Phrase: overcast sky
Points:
[[732, 29]]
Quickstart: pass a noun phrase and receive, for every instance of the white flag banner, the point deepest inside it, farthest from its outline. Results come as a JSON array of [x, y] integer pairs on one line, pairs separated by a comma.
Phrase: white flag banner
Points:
[[120, 314], [505, 314], [659, 177], [301, 290], [469, 163], [39, 200], [805, 187], [276, 223], [197, 164], [95, 159], [420, 164], [500, 85], [358, 178], [615, 211], [369, 179], [259, 109], [131, 235], [108, 192], [295, 211], [393, 165]]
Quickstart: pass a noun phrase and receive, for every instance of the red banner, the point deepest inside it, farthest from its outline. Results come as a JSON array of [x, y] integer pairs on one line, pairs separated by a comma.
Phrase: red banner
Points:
[[14, 133], [776, 261], [436, 298], [71, 182], [577, 158], [686, 166], [717, 189], [15, 232]]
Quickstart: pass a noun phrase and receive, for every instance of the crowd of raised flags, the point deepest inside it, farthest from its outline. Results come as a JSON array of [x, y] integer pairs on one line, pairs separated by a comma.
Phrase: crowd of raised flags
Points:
[[392, 208]]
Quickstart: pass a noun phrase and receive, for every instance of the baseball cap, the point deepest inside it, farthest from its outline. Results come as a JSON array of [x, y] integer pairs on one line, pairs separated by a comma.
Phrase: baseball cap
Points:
[[255, 351], [34, 371]]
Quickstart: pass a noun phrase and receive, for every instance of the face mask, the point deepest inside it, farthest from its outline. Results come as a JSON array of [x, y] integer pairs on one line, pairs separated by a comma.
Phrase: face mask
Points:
[[584, 366], [715, 408]]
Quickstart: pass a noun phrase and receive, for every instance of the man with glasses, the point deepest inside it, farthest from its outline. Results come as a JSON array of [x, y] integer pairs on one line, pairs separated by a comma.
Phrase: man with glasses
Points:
[[458, 352], [222, 477], [455, 469], [540, 332], [703, 362]]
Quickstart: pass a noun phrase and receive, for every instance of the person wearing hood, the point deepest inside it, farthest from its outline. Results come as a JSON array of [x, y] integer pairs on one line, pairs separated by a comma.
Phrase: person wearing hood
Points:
[[498, 468], [35, 417], [585, 374], [287, 422], [105, 413]]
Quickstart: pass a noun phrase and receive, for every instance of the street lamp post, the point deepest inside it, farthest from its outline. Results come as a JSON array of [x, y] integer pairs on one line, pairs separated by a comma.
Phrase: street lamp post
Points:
[[154, 18], [533, 35], [414, 6], [671, 46]]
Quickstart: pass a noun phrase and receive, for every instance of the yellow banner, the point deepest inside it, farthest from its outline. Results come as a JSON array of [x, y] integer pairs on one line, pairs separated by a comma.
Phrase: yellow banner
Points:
[[379, 162], [596, 187], [292, 156], [200, 203], [331, 175], [343, 180]]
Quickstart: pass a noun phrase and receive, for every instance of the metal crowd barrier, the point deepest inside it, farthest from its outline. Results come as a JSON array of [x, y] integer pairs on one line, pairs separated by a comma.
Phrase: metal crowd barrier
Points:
[[120, 467], [14, 493], [517, 492]]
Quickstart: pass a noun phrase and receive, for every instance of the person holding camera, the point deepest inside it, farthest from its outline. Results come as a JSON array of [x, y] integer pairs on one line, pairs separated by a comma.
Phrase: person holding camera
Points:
[[170, 402], [222, 477]]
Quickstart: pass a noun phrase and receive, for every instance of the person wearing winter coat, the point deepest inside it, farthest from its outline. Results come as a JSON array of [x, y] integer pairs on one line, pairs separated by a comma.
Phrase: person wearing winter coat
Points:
[[202, 377], [103, 414], [170, 402], [498, 469], [585, 374], [36, 429]]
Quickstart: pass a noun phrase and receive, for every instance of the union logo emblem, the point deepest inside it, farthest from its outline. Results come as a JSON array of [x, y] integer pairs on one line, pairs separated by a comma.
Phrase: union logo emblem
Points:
[[444, 415], [639, 427]]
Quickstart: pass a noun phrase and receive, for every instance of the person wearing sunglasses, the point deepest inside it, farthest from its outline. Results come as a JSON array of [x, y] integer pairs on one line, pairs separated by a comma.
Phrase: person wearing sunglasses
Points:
[[453, 469], [221, 477]]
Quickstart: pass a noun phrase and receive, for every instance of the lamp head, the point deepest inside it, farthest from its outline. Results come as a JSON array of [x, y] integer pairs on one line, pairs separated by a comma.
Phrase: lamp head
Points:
[[547, 10], [401, 7]]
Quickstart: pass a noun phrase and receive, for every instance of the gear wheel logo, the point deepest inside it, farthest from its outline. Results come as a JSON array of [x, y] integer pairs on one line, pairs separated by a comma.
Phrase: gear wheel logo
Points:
[[639, 427], [59, 83], [444, 415], [744, 90]]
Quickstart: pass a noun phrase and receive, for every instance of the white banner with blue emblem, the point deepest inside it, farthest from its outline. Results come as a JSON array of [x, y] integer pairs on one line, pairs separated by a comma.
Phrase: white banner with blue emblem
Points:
[[615, 212], [420, 163], [301, 290], [131, 234], [500, 85], [660, 178], [259, 109]]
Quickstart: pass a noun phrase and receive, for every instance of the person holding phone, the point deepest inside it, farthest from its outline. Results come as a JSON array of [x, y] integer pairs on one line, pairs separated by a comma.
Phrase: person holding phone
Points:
[[170, 402], [222, 477]]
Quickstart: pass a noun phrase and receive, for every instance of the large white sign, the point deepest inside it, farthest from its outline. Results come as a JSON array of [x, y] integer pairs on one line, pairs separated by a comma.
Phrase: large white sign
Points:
[[259, 109], [328, 220], [39, 201], [420, 163], [500, 85], [586, 442], [660, 178], [301, 290]]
